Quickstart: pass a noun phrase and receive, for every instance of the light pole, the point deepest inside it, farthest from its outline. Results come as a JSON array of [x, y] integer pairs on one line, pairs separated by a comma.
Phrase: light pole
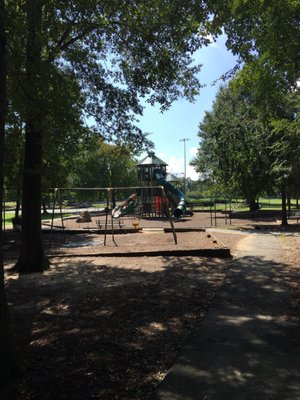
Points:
[[184, 140]]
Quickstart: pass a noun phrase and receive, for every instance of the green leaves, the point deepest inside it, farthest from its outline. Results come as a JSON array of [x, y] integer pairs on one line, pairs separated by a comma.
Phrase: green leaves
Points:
[[108, 165], [285, 144], [97, 60], [114, 53], [265, 33], [233, 145], [250, 144]]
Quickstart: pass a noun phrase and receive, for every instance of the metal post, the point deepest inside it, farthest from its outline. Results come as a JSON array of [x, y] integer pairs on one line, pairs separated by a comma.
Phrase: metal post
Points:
[[109, 207], [184, 140], [61, 214], [168, 214]]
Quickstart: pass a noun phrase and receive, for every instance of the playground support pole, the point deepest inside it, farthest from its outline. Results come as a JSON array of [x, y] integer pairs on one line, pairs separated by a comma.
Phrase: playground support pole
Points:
[[109, 204], [184, 140], [169, 215], [53, 208], [61, 214], [215, 214], [57, 199]]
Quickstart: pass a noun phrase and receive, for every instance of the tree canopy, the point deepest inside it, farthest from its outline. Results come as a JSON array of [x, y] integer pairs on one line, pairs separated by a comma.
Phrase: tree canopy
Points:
[[69, 62], [233, 146], [265, 35], [115, 53], [107, 165], [247, 150]]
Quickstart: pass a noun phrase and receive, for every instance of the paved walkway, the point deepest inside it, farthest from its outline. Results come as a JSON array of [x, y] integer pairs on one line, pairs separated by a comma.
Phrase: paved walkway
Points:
[[247, 346]]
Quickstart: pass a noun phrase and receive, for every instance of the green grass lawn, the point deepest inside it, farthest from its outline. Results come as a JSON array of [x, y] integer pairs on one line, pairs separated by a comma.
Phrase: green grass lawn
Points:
[[9, 215], [274, 204], [204, 204], [239, 205], [7, 221]]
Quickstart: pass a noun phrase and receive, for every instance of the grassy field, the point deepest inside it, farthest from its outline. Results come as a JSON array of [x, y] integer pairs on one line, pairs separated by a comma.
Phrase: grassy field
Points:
[[204, 204], [239, 205], [7, 221], [45, 217]]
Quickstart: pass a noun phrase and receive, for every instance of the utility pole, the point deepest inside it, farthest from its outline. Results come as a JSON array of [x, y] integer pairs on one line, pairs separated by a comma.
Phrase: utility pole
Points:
[[184, 140]]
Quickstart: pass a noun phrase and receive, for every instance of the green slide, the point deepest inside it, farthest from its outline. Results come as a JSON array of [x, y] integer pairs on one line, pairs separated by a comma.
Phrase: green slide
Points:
[[172, 193]]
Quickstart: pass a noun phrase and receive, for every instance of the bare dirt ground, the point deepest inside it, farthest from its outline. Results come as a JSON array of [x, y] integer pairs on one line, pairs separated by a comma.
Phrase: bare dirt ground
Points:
[[291, 248], [110, 327], [199, 219]]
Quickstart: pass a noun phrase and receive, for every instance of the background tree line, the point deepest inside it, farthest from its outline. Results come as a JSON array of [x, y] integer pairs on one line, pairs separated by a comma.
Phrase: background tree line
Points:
[[247, 150], [249, 142]]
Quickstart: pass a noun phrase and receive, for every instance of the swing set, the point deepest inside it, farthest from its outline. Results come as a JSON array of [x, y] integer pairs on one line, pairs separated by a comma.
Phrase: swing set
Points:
[[100, 210]]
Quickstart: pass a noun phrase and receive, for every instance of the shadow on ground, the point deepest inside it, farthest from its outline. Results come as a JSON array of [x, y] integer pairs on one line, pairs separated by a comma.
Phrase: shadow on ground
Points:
[[248, 346], [104, 328]]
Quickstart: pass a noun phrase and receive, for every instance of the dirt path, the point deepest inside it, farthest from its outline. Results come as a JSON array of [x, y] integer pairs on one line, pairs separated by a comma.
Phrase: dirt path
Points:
[[247, 346], [265, 246]]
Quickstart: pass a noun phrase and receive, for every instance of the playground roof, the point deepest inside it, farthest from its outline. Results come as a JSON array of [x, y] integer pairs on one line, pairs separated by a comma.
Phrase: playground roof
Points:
[[151, 159]]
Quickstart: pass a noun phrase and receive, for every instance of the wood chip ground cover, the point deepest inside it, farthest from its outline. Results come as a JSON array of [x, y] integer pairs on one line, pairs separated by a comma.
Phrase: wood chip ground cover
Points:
[[106, 328], [109, 328]]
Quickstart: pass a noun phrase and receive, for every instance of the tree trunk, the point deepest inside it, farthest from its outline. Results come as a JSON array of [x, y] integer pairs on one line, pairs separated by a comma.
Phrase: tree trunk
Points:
[[18, 203], [44, 205], [32, 257], [253, 204], [289, 202], [284, 221], [8, 364]]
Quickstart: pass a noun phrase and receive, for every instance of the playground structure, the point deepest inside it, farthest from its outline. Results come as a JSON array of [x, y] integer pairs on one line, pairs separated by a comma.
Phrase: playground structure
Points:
[[154, 205], [153, 171], [103, 213], [121, 209], [154, 197]]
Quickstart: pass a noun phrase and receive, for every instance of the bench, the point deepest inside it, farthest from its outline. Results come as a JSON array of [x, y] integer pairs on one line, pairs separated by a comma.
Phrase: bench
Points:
[[294, 215]]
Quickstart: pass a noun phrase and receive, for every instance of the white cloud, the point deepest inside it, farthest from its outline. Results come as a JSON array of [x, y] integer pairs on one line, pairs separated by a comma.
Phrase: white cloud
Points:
[[162, 155], [191, 173]]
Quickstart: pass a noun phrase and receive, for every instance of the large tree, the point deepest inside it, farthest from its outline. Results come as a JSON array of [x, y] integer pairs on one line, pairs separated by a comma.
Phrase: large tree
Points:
[[285, 148], [265, 35], [233, 150], [118, 52], [108, 165], [8, 363], [32, 257], [277, 105]]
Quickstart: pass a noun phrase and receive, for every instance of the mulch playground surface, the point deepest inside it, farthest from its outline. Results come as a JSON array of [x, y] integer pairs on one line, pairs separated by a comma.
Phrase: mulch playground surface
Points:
[[139, 236]]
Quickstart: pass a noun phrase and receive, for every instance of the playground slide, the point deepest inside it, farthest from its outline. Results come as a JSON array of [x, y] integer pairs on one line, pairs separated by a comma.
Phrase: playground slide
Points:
[[126, 207], [175, 196], [172, 193]]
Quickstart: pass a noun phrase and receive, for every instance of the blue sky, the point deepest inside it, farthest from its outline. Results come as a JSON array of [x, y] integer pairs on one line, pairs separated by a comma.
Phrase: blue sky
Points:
[[183, 118]]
